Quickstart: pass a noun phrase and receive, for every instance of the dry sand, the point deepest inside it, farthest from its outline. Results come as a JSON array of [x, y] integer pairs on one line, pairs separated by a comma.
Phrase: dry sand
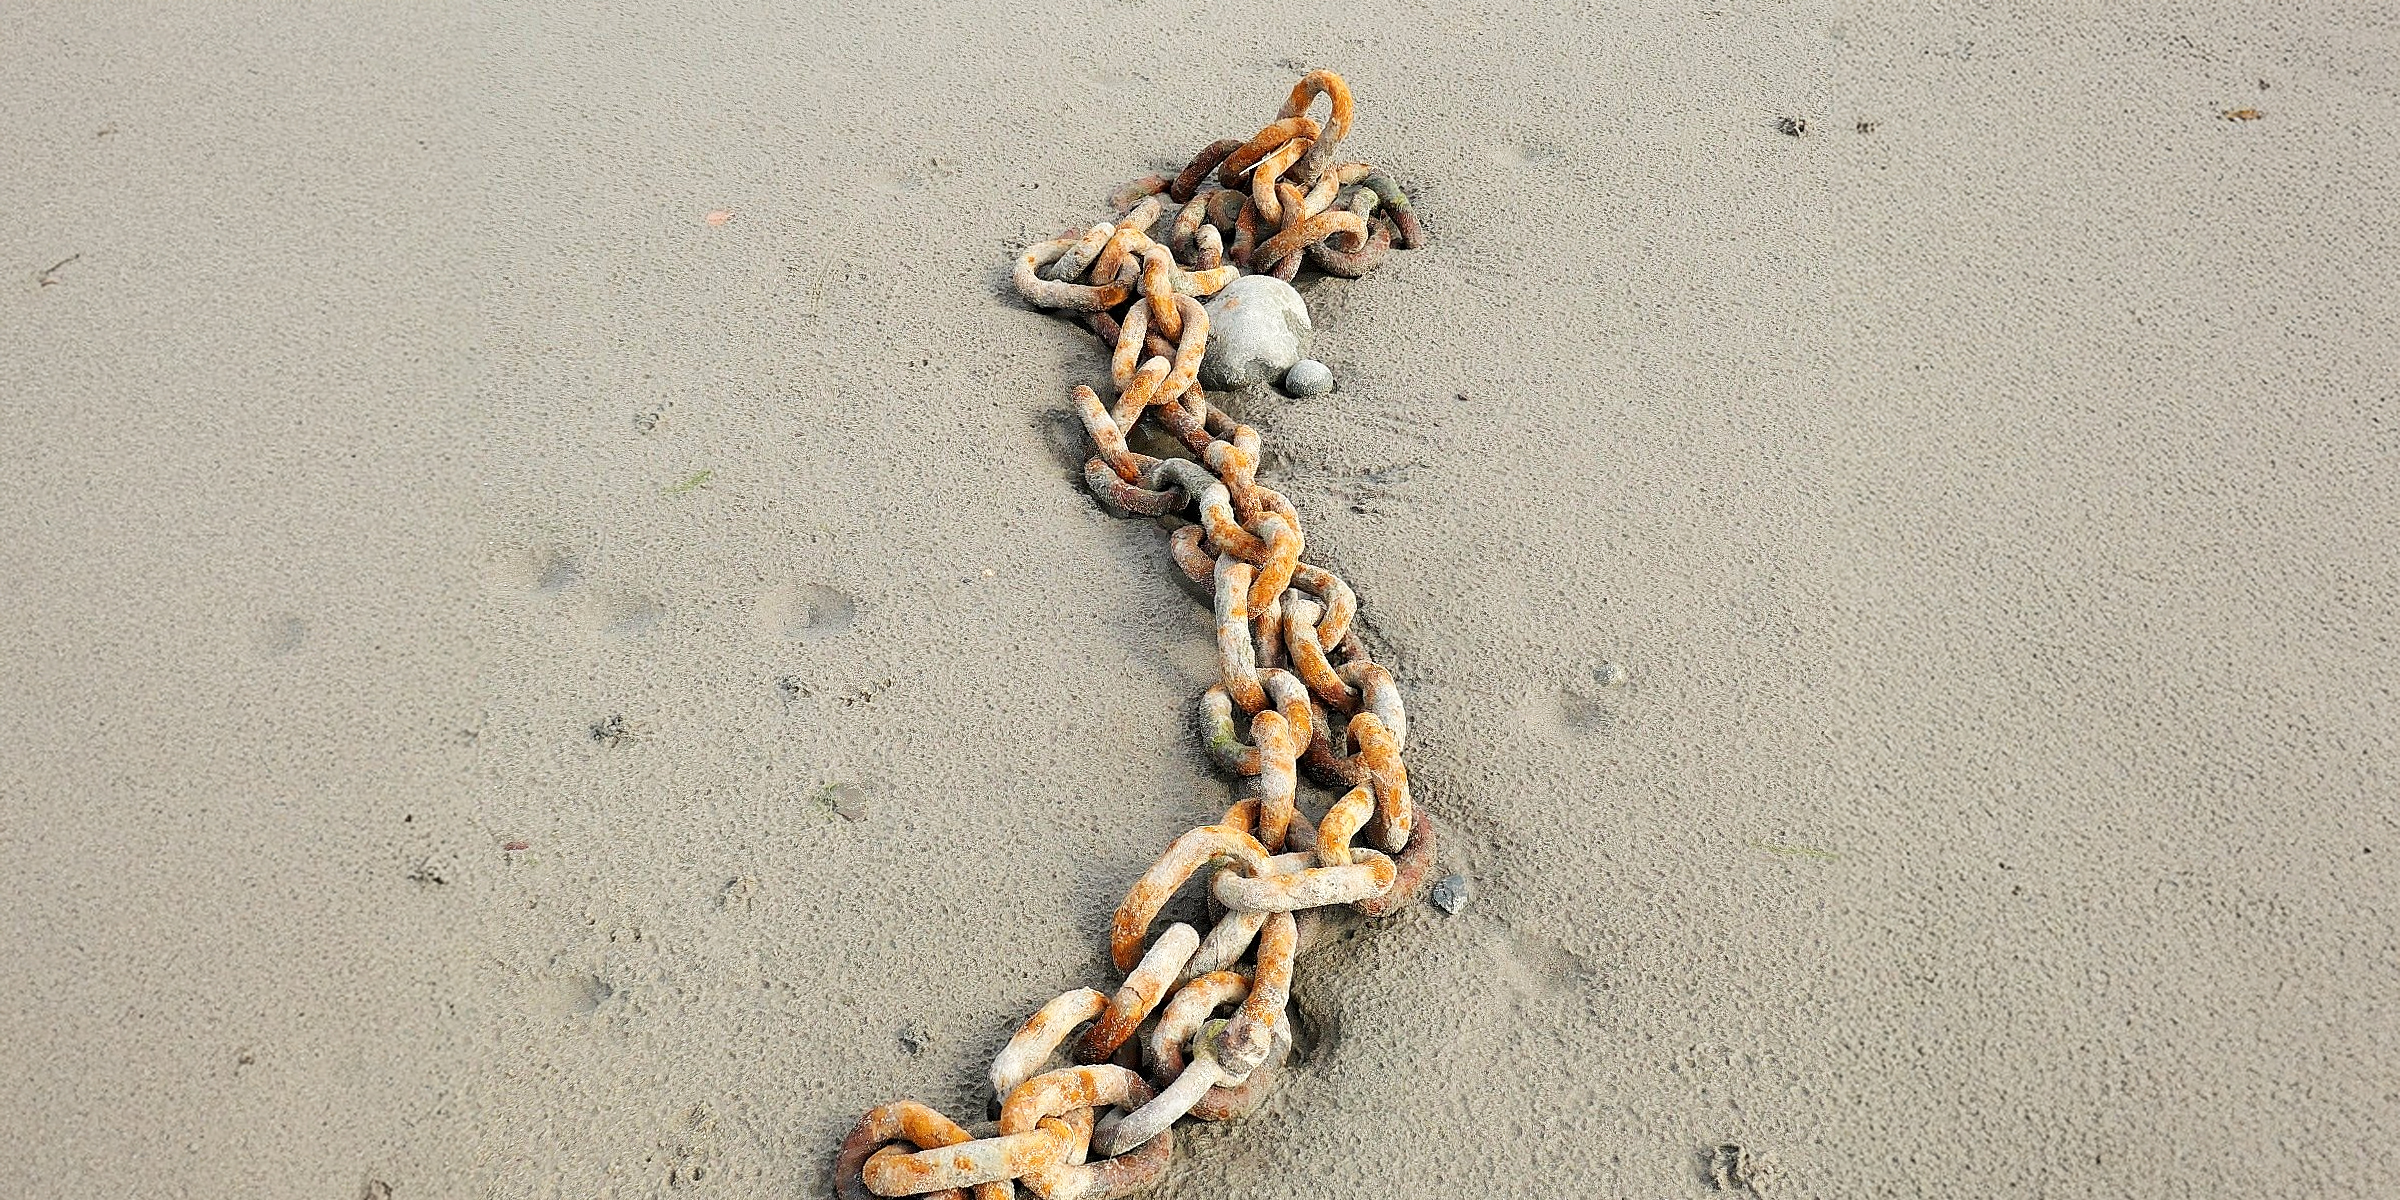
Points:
[[1989, 495]]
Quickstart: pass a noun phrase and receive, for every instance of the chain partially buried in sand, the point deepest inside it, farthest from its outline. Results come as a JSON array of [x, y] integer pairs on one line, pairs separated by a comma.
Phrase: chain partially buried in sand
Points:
[[1290, 664]]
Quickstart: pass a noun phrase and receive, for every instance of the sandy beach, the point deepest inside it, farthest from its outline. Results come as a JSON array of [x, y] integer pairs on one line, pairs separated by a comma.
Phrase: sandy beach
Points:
[[559, 647]]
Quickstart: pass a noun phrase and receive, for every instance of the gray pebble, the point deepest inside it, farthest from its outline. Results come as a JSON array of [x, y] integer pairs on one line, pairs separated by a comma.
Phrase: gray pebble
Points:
[[848, 801], [1450, 895], [1257, 328], [1610, 674], [1308, 377]]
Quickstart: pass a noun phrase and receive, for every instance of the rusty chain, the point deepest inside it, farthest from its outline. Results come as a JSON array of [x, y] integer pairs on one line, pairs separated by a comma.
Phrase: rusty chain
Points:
[[1289, 663]]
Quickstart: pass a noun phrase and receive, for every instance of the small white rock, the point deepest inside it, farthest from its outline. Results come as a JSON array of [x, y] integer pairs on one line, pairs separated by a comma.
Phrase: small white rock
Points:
[[1308, 377]]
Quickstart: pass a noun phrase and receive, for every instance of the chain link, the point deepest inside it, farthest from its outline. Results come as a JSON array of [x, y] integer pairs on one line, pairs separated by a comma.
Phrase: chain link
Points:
[[1296, 691]]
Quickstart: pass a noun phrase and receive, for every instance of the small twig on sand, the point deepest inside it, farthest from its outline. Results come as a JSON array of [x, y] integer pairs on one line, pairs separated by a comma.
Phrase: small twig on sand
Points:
[[50, 275], [696, 481]]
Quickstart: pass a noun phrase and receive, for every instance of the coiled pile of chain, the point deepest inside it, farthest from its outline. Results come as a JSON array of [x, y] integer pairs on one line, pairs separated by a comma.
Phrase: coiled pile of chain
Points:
[[1290, 665]]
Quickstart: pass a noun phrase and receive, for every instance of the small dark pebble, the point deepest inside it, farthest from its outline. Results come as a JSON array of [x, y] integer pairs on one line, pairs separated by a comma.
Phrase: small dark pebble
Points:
[[1450, 895], [1792, 126], [914, 1039]]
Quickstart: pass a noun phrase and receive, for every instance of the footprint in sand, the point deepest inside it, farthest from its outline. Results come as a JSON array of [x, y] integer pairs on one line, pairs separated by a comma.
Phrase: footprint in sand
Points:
[[556, 571], [804, 612], [1593, 701], [629, 616], [1533, 965], [576, 995], [278, 635], [543, 570]]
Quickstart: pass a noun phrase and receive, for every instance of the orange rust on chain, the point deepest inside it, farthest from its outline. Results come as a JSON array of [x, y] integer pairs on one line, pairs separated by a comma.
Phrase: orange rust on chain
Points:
[[1251, 1033], [1290, 698], [1235, 462], [1208, 251], [1185, 418], [1158, 289], [1320, 197], [1245, 235], [1049, 293], [1040, 1036], [1106, 435], [1056, 1093], [1207, 281], [1266, 634], [1227, 941], [892, 1171], [1086, 1088], [901, 1120], [1338, 223], [1367, 875], [1242, 815], [1341, 823], [1291, 206], [1187, 181], [1125, 350], [1308, 656], [1141, 392], [1184, 547], [1380, 695], [1189, 221], [1237, 652], [1281, 560], [1340, 602], [1144, 987], [1131, 234], [1416, 862], [1163, 1051], [1192, 319], [1388, 776], [1307, 693], [1336, 91], [1157, 885], [1225, 530], [1070, 265], [1135, 191], [1266, 142], [1076, 1127], [1350, 264], [1278, 776], [1132, 498], [1268, 172], [1224, 207], [1281, 734], [1232, 1102]]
